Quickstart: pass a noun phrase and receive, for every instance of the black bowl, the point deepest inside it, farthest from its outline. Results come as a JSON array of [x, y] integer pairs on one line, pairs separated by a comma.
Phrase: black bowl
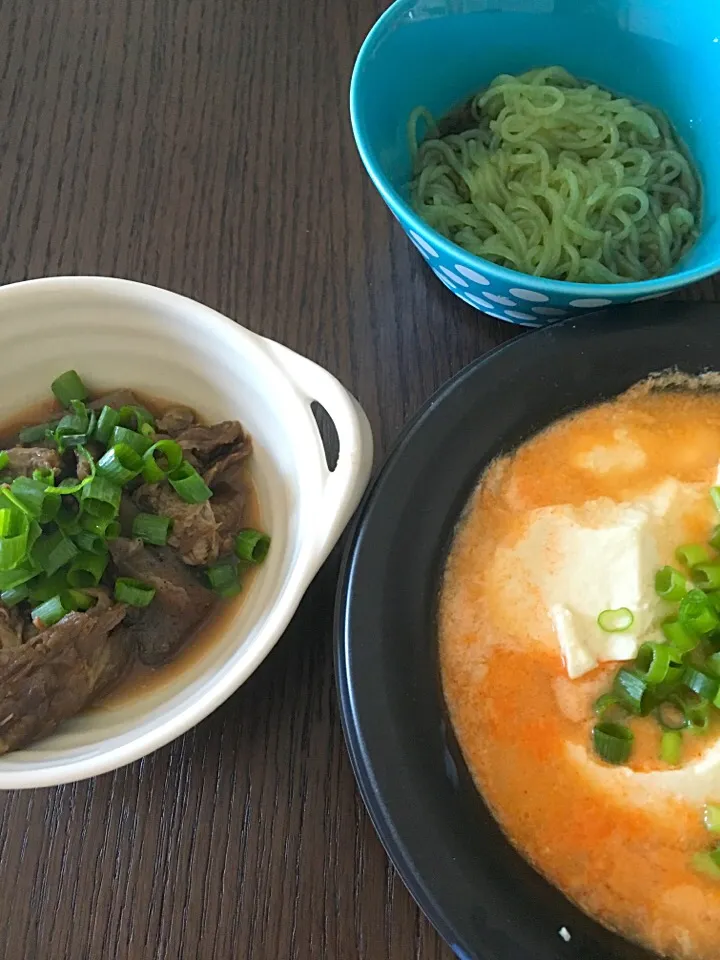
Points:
[[483, 897]]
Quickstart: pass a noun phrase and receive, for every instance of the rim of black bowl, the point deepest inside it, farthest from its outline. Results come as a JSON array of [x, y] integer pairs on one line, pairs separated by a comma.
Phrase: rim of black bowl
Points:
[[485, 900]]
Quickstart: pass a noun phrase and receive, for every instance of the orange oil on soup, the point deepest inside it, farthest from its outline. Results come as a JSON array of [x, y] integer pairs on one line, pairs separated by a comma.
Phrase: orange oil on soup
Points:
[[514, 709]]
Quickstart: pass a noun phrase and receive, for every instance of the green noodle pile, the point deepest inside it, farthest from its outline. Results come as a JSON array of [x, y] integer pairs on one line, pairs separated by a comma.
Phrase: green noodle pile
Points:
[[557, 178]]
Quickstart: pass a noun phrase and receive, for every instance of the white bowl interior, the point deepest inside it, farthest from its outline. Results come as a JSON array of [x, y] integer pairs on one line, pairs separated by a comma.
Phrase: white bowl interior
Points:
[[115, 333]]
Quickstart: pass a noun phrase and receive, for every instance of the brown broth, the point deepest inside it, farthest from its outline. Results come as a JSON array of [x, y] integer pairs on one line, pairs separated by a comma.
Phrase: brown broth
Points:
[[625, 861], [141, 679]]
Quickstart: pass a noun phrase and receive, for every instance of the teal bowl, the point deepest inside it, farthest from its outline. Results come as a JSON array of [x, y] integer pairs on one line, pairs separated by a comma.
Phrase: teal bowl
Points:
[[436, 53]]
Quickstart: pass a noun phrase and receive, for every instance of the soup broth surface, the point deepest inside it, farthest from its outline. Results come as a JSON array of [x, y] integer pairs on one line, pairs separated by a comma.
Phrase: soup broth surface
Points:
[[610, 839]]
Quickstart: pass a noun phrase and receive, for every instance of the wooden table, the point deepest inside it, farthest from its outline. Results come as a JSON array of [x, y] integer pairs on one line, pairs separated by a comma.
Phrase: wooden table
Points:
[[205, 146]]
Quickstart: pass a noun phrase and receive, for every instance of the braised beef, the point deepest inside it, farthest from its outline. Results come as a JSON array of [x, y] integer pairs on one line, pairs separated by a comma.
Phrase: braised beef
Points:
[[115, 399], [58, 672], [210, 443], [23, 460], [180, 602], [11, 627], [229, 469], [175, 420], [228, 507], [194, 531]]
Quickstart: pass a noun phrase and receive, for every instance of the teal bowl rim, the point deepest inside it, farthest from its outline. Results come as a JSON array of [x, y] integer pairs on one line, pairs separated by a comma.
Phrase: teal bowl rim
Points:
[[407, 216]]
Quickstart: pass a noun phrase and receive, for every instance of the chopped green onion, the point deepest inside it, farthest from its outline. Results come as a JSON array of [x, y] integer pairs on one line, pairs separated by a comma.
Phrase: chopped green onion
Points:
[[678, 636], [711, 817], [130, 438], [67, 487], [101, 498], [4, 459], [43, 588], [16, 576], [36, 433], [133, 592], [151, 528], [75, 428], [53, 551], [713, 664], [613, 742], [670, 584], [671, 747], [86, 570], [106, 423], [715, 496], [161, 459], [691, 554], [698, 715], [120, 464], [223, 578], [189, 485], [714, 540], [96, 525], [696, 614], [112, 531], [136, 417], [653, 662], [90, 543], [252, 546], [708, 863], [611, 621], [14, 595], [67, 520], [701, 683], [14, 535], [605, 702], [68, 387], [48, 613], [632, 689], [707, 575], [147, 430], [30, 494], [77, 600]]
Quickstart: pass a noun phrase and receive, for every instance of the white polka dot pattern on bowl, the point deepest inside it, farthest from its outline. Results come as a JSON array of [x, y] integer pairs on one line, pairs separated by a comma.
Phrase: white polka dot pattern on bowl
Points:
[[472, 275], [549, 312], [520, 315], [454, 277], [422, 245], [477, 301], [531, 295], [497, 298], [590, 302]]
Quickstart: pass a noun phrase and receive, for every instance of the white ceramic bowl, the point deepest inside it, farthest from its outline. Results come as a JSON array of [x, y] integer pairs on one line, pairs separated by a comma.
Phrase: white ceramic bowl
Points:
[[120, 333]]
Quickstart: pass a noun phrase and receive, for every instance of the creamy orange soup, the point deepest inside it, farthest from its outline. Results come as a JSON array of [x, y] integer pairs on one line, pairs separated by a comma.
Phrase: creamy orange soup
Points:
[[623, 853]]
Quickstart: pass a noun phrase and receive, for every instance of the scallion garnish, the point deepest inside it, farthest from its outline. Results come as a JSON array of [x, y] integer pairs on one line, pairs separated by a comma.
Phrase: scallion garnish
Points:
[[252, 546], [161, 459], [36, 433], [120, 464], [101, 498], [189, 485], [670, 584], [711, 817], [223, 578], [678, 636], [632, 691], [611, 621], [671, 747], [612, 742], [708, 862], [13, 596], [68, 387], [151, 528], [135, 418], [697, 614], [106, 423], [691, 554], [133, 592], [48, 613], [705, 686], [707, 575], [86, 569], [131, 438], [653, 662], [52, 551]]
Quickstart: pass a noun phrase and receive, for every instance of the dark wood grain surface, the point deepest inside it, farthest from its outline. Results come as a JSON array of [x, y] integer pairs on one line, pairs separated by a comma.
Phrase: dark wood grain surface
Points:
[[205, 146]]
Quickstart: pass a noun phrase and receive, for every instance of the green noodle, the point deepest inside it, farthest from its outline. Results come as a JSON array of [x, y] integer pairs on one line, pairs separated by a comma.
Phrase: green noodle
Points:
[[557, 178]]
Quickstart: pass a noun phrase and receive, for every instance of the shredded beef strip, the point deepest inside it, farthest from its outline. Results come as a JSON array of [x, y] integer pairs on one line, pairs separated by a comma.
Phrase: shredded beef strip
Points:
[[194, 531], [179, 605], [23, 460], [55, 674]]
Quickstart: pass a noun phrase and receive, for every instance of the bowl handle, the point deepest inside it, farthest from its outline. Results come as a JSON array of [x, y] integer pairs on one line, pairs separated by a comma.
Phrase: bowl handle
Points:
[[343, 486]]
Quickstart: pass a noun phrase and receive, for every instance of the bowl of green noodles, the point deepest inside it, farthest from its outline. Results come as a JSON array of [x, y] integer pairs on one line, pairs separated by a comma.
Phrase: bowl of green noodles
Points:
[[547, 158]]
